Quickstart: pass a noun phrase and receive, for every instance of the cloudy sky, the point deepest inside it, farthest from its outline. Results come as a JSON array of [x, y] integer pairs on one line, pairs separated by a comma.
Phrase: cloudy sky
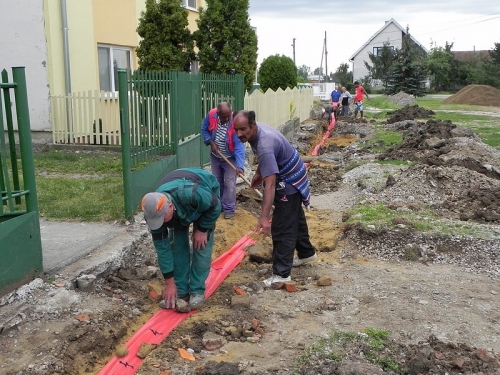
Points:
[[349, 24]]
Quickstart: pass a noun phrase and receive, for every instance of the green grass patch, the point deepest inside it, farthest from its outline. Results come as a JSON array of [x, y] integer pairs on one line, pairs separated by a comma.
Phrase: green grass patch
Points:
[[459, 118], [81, 163], [373, 342], [79, 186], [382, 140], [97, 199], [420, 218], [490, 136], [381, 102]]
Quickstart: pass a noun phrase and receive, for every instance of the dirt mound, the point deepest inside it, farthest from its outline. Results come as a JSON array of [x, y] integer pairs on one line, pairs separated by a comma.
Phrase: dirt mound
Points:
[[363, 354], [476, 95], [401, 98], [409, 113], [324, 177]]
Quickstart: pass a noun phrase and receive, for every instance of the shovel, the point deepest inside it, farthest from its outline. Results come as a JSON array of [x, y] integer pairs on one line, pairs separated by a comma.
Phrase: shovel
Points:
[[239, 174]]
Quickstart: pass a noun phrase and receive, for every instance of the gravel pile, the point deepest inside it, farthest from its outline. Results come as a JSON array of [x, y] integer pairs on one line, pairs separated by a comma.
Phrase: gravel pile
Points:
[[401, 98], [478, 256]]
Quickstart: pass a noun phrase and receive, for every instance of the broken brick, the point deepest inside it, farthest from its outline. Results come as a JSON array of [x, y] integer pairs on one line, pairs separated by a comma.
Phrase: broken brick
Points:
[[239, 291], [291, 286]]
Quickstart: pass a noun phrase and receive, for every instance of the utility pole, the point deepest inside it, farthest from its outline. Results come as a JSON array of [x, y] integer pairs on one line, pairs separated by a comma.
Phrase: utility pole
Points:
[[327, 79], [293, 45]]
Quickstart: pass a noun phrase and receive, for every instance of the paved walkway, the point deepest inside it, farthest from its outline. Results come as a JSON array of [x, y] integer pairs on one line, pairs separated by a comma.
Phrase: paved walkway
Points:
[[64, 243]]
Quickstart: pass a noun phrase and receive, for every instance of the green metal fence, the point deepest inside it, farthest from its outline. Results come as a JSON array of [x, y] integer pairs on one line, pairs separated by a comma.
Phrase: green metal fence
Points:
[[20, 242], [160, 121]]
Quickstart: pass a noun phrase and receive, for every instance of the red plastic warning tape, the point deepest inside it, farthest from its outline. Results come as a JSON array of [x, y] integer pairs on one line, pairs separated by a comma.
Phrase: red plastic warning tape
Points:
[[156, 329]]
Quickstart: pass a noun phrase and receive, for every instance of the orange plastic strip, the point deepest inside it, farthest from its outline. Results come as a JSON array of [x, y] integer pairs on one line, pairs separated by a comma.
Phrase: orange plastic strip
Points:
[[156, 329]]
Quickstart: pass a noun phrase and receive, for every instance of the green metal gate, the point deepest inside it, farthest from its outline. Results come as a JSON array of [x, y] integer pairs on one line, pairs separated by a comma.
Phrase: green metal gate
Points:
[[160, 120], [20, 242]]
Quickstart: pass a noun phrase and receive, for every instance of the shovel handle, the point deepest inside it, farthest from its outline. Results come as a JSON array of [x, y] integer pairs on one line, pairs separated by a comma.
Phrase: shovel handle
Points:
[[239, 174]]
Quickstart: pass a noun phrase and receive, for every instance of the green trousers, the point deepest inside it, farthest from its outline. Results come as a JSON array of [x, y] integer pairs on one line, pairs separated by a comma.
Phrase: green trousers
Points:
[[191, 267]]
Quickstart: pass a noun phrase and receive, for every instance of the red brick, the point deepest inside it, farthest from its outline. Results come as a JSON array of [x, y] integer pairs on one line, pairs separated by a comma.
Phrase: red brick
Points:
[[290, 286]]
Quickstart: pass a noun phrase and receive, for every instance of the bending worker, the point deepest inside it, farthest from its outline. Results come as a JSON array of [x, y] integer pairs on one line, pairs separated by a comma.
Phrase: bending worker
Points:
[[218, 132], [185, 196], [286, 185]]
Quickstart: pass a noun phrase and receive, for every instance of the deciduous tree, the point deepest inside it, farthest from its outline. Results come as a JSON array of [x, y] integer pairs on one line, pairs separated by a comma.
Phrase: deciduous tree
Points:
[[277, 72]]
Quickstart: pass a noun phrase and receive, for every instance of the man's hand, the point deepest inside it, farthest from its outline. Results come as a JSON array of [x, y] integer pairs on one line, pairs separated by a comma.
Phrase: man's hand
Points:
[[239, 171], [200, 239], [170, 293], [256, 180], [214, 148], [263, 226]]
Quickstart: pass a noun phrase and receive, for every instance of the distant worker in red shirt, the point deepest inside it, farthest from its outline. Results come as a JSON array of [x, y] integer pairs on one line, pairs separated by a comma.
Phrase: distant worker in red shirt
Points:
[[358, 98]]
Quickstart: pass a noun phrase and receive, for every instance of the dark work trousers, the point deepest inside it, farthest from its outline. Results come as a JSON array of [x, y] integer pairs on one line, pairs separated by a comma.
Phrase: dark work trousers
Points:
[[289, 231]]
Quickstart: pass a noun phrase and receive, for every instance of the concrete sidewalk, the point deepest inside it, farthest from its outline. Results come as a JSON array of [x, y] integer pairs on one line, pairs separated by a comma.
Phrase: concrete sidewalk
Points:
[[73, 248]]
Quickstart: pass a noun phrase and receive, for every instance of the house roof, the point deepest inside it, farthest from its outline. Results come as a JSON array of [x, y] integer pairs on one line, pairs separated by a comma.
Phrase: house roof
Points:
[[393, 21], [469, 55]]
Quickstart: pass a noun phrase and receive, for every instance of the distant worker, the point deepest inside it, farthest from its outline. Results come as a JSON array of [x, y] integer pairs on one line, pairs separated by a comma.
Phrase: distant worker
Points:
[[284, 176], [335, 95], [218, 132], [358, 98], [345, 101], [185, 196], [327, 110]]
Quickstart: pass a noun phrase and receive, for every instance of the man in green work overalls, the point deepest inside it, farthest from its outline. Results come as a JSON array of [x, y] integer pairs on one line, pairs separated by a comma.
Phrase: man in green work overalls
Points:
[[185, 196]]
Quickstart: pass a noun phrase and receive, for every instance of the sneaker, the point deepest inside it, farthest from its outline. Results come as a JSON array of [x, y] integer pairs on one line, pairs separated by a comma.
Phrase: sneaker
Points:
[[298, 262], [196, 301], [228, 215], [276, 279]]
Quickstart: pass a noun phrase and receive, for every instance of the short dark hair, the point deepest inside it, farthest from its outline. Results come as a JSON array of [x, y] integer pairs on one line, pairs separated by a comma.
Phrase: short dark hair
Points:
[[249, 115], [356, 82], [221, 104]]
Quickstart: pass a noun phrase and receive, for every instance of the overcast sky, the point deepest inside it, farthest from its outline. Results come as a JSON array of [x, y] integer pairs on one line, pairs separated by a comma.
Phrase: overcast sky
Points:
[[349, 24]]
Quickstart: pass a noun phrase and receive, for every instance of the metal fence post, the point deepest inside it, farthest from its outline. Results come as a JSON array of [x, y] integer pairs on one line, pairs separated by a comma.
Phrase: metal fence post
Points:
[[12, 140], [125, 135], [239, 97], [23, 123], [175, 115]]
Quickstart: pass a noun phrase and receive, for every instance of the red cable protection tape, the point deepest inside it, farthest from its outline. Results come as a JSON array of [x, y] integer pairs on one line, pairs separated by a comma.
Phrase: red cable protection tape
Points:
[[156, 329], [325, 137]]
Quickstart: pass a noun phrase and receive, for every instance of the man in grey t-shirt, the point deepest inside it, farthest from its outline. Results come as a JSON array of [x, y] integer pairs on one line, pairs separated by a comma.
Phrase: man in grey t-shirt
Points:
[[286, 186]]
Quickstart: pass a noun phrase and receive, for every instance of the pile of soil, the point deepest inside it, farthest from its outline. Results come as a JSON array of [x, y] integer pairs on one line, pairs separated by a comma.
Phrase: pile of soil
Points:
[[324, 177], [464, 172], [476, 95], [409, 113], [401, 98]]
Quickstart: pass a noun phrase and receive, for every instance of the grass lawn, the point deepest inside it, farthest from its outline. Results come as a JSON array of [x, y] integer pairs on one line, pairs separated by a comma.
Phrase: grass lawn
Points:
[[79, 186]]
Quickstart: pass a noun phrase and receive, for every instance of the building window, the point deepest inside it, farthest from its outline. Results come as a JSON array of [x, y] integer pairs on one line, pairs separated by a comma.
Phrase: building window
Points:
[[191, 4], [378, 50], [111, 59]]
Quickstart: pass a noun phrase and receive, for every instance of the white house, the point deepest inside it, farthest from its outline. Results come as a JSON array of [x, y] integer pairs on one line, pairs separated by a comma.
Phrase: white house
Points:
[[392, 32]]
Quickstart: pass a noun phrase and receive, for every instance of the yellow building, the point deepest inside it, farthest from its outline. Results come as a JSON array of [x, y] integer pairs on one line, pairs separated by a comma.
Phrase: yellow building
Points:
[[100, 37]]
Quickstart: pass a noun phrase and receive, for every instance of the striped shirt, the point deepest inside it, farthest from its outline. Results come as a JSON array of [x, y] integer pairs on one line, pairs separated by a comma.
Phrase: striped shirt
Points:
[[220, 140]]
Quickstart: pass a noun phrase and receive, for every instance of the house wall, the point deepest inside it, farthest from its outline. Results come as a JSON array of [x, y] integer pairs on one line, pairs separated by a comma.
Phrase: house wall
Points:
[[82, 50], [391, 33], [23, 44]]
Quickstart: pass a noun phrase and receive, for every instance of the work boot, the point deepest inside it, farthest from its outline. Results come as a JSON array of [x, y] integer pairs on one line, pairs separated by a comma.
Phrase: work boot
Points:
[[228, 215], [182, 306], [299, 262], [275, 279], [196, 301]]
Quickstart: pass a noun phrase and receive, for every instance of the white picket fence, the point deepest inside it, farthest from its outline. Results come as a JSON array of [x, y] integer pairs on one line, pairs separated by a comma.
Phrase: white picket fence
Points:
[[93, 118], [275, 108]]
